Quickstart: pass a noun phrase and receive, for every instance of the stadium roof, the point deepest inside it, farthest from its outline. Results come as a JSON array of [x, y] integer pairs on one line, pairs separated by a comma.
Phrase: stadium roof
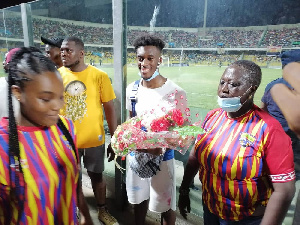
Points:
[[8, 3], [175, 13]]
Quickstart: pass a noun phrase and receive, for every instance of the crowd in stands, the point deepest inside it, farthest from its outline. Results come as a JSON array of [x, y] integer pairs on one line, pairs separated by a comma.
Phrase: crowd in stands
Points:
[[232, 39], [11, 27], [284, 37], [90, 34], [176, 38], [101, 56]]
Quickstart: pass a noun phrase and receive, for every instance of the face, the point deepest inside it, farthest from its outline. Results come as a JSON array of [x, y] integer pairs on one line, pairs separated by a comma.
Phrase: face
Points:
[[148, 58], [41, 99], [232, 83], [54, 54], [71, 55]]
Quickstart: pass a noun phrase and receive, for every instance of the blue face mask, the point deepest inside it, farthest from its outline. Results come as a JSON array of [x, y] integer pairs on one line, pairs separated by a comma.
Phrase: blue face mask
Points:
[[230, 104], [155, 74]]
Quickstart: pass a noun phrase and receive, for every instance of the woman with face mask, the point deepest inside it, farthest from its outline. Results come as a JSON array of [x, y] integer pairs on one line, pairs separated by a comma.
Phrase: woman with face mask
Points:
[[244, 158], [38, 157]]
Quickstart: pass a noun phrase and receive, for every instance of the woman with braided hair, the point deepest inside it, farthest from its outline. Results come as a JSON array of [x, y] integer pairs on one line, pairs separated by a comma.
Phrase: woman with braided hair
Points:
[[38, 158]]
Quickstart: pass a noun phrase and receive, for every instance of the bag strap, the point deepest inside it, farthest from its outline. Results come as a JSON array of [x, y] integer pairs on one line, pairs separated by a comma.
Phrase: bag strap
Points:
[[133, 97]]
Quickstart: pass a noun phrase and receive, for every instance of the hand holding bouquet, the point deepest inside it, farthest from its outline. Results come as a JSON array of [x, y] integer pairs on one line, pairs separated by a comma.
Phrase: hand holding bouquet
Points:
[[171, 130]]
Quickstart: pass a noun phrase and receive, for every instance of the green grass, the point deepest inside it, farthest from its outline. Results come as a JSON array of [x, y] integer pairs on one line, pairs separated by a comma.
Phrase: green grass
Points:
[[200, 82]]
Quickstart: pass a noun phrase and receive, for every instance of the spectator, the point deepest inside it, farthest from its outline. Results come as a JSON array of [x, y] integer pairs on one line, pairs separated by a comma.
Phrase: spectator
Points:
[[287, 99], [244, 158], [87, 89], [39, 163], [271, 107], [52, 49], [157, 190]]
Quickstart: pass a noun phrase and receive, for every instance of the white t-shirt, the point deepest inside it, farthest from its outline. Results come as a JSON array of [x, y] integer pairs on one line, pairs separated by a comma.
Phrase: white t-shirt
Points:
[[4, 99], [157, 101], [161, 188]]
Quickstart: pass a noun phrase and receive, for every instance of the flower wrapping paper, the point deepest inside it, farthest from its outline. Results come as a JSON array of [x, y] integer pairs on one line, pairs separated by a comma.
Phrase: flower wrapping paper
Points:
[[172, 130]]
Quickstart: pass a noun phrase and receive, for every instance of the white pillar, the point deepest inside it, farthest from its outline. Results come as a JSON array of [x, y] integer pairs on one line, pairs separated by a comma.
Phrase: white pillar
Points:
[[120, 81], [27, 24]]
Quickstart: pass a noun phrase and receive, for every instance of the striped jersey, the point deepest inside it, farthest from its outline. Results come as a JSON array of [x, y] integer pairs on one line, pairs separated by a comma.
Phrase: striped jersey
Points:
[[239, 159], [50, 176]]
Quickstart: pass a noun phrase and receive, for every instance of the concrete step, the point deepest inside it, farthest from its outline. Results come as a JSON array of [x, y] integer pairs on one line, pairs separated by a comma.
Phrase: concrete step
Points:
[[126, 216]]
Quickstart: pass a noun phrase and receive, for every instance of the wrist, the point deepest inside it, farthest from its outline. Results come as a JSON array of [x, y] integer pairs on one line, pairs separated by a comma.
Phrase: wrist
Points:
[[184, 191]]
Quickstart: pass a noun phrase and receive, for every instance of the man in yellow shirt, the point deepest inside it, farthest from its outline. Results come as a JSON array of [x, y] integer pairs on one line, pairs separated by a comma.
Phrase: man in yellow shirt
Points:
[[87, 90]]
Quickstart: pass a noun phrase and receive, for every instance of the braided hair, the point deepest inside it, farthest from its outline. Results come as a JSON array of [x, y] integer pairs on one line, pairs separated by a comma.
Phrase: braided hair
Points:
[[26, 61]]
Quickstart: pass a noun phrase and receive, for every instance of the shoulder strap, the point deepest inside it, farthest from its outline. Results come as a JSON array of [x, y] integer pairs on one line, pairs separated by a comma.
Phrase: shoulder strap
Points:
[[133, 97]]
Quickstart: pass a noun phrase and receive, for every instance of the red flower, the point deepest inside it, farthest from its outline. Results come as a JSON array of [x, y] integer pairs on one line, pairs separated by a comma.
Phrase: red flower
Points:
[[177, 117], [138, 124], [161, 124]]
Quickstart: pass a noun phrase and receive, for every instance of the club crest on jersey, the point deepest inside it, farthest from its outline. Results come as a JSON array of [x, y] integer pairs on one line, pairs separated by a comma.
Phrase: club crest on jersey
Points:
[[246, 139]]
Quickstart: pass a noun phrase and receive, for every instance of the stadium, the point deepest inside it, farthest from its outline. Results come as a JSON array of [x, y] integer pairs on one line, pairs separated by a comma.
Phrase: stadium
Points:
[[186, 47], [201, 41]]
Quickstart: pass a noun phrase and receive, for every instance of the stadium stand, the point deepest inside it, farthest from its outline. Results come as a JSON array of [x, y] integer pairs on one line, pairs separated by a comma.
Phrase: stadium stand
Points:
[[185, 45]]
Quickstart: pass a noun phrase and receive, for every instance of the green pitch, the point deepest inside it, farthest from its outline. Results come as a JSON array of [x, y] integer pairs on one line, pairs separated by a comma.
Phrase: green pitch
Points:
[[201, 83]]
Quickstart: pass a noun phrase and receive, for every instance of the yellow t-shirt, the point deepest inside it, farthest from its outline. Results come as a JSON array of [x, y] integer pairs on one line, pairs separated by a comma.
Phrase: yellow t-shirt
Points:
[[85, 92]]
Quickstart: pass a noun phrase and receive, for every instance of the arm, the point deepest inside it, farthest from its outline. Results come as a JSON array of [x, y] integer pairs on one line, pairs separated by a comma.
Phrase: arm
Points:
[[130, 115], [279, 203], [291, 74], [287, 99], [279, 164], [190, 172], [111, 119]]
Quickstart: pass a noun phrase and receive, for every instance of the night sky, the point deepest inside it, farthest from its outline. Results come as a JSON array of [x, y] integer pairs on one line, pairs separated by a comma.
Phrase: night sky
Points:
[[179, 13]]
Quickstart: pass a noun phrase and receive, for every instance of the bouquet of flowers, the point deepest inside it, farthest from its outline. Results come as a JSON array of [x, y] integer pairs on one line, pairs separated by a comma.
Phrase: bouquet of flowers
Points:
[[171, 130]]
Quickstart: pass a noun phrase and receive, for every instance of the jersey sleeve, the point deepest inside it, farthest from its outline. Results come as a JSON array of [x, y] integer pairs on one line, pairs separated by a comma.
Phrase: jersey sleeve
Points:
[[106, 90], [279, 157], [264, 97]]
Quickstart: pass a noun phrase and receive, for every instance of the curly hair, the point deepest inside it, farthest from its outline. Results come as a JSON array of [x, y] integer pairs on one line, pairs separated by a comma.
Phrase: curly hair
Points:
[[78, 42], [149, 39], [252, 72]]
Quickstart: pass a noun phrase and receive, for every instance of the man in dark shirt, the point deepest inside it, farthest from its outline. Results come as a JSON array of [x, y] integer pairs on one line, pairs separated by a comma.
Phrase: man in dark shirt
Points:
[[52, 49], [270, 106]]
